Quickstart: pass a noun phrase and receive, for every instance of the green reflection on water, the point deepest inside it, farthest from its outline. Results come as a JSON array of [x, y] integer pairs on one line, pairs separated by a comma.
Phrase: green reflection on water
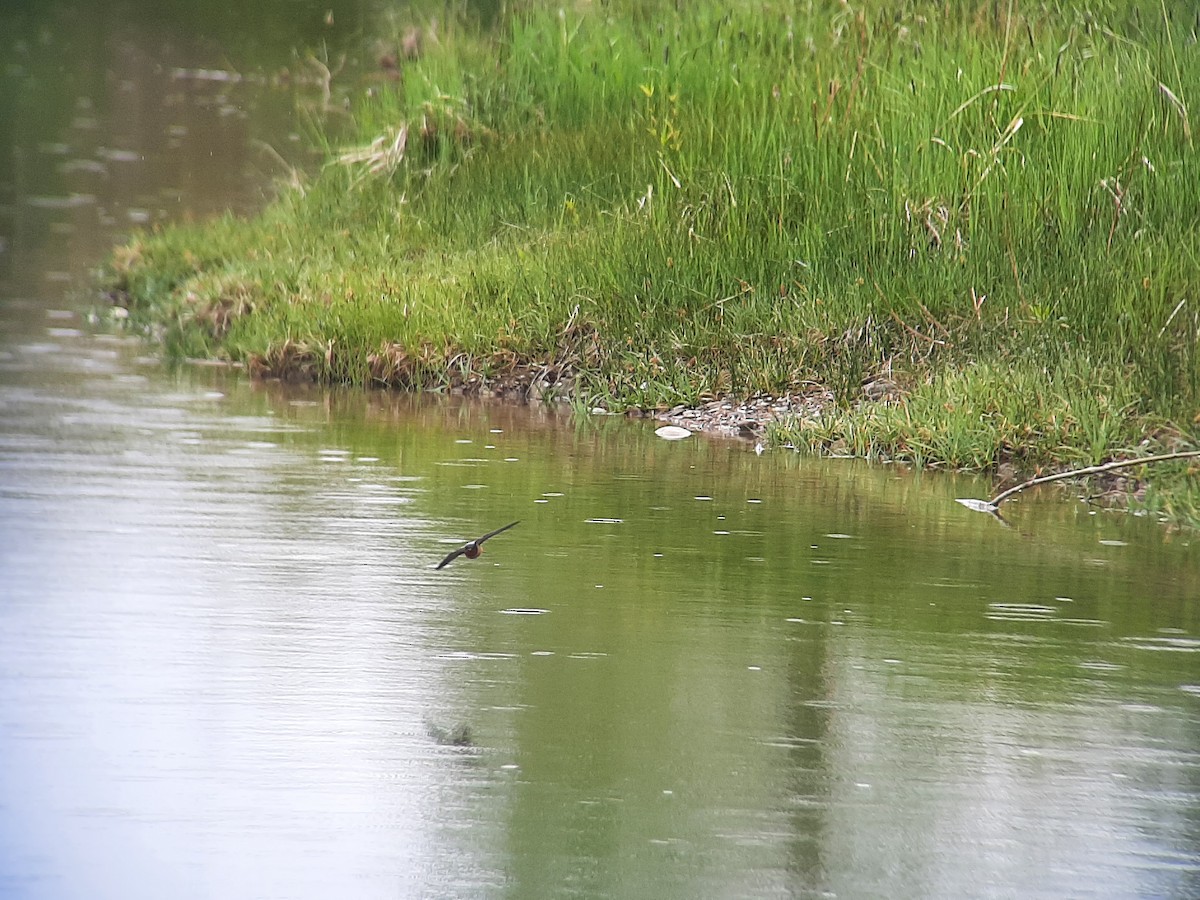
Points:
[[694, 671]]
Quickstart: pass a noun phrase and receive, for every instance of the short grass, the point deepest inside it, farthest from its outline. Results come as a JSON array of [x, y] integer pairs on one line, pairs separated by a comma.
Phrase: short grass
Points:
[[994, 207]]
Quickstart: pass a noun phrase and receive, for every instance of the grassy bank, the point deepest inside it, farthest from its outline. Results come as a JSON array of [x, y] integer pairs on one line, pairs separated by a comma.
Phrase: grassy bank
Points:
[[993, 210]]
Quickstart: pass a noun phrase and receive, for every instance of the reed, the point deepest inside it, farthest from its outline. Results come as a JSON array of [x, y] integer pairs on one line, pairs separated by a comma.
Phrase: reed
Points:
[[993, 205]]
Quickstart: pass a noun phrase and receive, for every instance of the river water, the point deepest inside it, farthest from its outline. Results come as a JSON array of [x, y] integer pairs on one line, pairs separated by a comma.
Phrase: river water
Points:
[[229, 668]]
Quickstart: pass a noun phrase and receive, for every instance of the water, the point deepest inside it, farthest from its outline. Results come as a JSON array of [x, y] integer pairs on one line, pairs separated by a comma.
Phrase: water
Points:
[[229, 669]]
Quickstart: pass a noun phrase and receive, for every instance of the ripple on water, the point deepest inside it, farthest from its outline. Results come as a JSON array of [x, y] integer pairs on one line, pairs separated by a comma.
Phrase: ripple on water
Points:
[[1021, 612], [1167, 642], [1099, 665]]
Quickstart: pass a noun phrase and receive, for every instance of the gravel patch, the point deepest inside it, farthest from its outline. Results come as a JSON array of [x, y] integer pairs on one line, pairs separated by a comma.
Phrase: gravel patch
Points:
[[746, 418]]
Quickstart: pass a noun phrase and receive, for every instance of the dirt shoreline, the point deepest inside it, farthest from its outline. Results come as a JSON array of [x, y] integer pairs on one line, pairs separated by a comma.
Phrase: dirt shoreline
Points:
[[727, 418]]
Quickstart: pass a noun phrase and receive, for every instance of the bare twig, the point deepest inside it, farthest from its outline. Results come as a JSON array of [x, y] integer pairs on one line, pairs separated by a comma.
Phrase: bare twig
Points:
[[993, 505]]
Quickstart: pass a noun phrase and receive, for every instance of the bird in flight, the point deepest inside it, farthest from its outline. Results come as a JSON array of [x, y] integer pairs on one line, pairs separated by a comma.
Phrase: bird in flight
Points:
[[472, 549]]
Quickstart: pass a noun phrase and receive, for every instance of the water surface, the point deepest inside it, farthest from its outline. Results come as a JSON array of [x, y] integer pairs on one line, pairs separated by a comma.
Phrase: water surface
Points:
[[229, 669]]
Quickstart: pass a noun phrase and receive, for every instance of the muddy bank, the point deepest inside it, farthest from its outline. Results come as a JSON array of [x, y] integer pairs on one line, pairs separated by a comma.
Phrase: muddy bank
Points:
[[741, 419]]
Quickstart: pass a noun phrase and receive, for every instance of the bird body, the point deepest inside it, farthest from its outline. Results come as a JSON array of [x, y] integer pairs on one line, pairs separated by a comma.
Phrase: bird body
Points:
[[472, 549]]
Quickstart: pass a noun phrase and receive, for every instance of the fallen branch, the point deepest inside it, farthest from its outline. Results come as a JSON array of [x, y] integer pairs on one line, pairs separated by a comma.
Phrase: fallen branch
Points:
[[993, 506]]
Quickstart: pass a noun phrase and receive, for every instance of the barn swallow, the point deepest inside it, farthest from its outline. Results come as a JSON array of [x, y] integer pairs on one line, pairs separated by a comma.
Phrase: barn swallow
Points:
[[472, 549]]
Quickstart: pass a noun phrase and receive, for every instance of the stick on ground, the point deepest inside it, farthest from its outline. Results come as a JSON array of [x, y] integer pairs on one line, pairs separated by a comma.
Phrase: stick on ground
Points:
[[993, 505]]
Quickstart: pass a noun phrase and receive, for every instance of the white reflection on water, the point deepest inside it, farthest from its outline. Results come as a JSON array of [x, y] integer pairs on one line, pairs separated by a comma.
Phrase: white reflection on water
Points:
[[208, 683]]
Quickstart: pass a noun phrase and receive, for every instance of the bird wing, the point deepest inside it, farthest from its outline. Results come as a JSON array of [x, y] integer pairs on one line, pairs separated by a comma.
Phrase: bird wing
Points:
[[496, 532], [450, 557]]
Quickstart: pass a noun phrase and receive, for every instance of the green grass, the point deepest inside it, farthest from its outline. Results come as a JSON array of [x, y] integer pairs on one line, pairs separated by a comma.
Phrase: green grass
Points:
[[977, 417], [993, 205]]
